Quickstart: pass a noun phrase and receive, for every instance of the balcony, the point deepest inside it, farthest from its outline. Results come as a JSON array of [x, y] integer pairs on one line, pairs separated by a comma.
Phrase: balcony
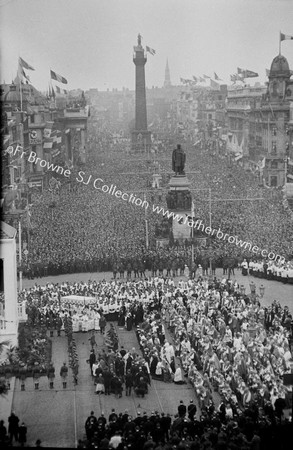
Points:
[[236, 107], [76, 113]]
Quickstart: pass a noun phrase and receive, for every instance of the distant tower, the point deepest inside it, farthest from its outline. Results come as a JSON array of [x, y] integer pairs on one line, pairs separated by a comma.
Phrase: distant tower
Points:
[[167, 82], [141, 137]]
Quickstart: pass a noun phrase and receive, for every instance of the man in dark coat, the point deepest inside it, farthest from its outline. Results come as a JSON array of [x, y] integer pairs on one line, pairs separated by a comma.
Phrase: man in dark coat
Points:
[[22, 430], [3, 432], [92, 360], [90, 425], [191, 409], [63, 374], [128, 382], [51, 375], [141, 388], [13, 422], [182, 409]]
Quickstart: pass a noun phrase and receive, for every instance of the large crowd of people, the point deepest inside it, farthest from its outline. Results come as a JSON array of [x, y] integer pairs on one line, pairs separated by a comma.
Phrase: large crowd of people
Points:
[[223, 342], [216, 430], [85, 230], [202, 331]]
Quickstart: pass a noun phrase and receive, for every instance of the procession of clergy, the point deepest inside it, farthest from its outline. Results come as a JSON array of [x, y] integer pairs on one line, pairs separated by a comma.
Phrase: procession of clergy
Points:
[[85, 303], [223, 338]]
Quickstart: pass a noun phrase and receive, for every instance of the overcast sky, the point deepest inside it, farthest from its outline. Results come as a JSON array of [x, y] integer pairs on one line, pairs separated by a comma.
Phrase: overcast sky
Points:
[[90, 42]]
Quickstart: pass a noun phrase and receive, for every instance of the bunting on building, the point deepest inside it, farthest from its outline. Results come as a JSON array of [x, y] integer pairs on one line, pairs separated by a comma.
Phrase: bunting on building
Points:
[[48, 129]]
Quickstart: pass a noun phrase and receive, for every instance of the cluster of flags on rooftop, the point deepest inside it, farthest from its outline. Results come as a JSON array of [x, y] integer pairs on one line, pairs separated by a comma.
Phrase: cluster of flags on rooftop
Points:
[[241, 74], [21, 74], [214, 81]]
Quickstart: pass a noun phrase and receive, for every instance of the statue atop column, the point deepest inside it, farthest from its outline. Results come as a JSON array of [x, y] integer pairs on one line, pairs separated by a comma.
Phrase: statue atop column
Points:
[[178, 160], [139, 39]]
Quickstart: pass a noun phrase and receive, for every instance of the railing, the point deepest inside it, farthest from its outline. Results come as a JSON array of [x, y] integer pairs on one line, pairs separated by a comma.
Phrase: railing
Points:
[[2, 323]]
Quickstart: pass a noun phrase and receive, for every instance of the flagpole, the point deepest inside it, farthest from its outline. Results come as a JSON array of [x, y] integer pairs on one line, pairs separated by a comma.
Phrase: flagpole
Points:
[[192, 244], [20, 88], [279, 42]]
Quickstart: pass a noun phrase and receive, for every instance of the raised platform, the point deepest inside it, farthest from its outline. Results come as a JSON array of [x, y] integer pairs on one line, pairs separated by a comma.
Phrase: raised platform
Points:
[[179, 182]]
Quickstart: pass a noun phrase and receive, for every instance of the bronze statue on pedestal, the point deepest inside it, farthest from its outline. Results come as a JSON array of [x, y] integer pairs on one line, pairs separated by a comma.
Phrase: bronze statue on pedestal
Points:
[[178, 160]]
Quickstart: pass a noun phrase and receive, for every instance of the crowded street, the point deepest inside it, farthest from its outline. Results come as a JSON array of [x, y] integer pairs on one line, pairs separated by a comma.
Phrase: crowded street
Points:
[[146, 245]]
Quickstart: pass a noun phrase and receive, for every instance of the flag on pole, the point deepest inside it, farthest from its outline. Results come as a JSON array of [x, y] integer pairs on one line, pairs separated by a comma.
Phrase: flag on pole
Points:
[[246, 73], [285, 37], [216, 77], [290, 170], [215, 85], [24, 64], [48, 127], [21, 75], [250, 74], [150, 50], [57, 77], [236, 77]]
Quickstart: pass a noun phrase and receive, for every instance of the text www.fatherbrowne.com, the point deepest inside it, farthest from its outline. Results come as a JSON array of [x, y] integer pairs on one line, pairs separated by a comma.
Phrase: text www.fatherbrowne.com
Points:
[[112, 190], [199, 226]]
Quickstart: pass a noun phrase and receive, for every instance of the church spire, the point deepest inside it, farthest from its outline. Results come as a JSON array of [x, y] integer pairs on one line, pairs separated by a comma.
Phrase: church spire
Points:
[[167, 81]]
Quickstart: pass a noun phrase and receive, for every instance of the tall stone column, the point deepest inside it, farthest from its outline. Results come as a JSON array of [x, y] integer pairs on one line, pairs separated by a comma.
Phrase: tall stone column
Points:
[[82, 145], [141, 137], [179, 202]]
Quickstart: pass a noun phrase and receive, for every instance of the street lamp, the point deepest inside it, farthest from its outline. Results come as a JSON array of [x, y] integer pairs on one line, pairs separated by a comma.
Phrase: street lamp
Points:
[[252, 287], [242, 289], [262, 290]]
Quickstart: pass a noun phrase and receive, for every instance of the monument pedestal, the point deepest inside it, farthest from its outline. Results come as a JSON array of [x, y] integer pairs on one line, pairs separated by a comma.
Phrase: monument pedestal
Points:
[[8, 300], [141, 141], [179, 202]]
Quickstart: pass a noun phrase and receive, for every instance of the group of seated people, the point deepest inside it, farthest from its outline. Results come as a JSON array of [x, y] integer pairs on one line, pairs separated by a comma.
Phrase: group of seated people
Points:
[[231, 345]]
